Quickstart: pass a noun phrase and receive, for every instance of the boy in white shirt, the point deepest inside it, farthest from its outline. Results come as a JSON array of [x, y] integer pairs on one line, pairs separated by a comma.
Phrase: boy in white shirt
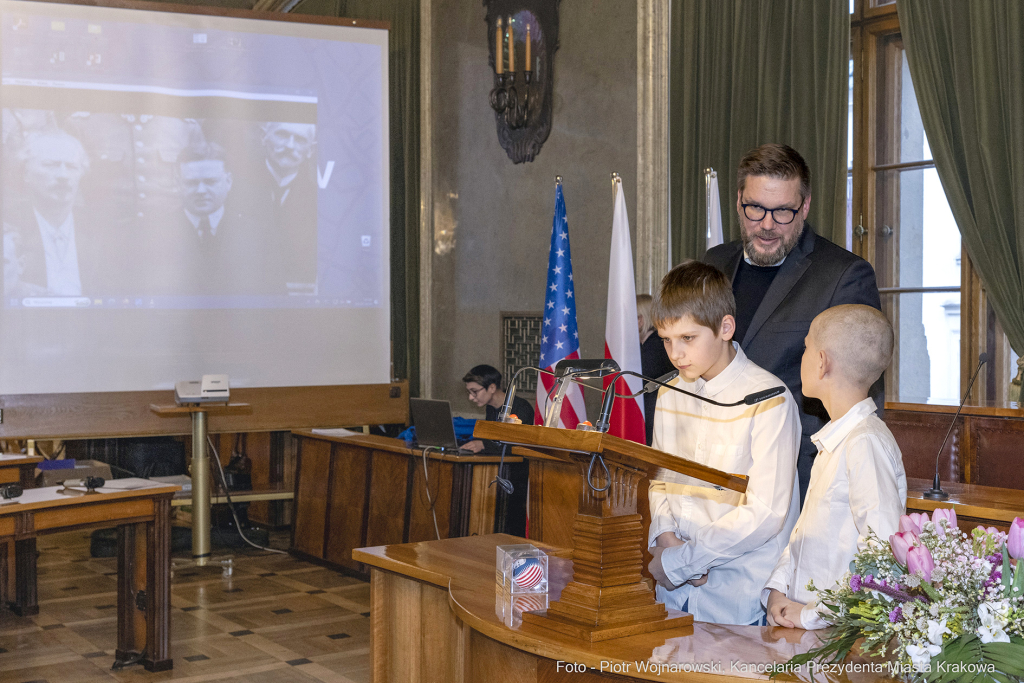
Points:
[[713, 548], [857, 481]]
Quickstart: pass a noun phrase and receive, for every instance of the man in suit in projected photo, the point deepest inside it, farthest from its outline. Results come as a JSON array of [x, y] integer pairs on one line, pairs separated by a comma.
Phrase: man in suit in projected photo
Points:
[[289, 191], [206, 247], [50, 249]]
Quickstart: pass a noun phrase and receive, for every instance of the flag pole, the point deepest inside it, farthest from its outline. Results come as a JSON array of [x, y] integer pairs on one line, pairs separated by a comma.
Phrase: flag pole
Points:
[[558, 180], [615, 181], [709, 173]]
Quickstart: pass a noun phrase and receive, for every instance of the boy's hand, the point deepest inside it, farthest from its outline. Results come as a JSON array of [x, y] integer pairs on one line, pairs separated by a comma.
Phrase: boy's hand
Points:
[[782, 611], [667, 540], [657, 570], [699, 581]]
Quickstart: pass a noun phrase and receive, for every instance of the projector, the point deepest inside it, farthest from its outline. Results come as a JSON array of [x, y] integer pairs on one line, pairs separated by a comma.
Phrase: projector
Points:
[[211, 389]]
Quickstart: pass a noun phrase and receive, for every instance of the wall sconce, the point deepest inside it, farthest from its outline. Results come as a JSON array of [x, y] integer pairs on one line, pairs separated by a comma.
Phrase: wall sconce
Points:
[[522, 93]]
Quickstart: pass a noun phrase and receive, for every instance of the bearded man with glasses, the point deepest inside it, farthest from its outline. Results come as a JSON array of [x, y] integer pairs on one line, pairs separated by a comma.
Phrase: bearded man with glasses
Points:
[[784, 274]]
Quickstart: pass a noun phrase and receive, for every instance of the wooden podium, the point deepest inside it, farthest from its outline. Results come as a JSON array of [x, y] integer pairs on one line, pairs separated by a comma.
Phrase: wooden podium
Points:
[[607, 597]]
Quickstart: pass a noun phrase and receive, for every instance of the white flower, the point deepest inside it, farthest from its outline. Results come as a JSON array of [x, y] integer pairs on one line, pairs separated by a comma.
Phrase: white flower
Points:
[[935, 631], [921, 656], [934, 610], [994, 615], [992, 635]]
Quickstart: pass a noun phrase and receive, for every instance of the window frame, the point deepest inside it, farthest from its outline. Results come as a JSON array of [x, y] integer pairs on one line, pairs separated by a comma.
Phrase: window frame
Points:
[[873, 26]]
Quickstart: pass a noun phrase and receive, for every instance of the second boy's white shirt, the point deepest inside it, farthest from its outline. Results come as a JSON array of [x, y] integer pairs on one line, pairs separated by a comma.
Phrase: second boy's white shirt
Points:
[[734, 538], [857, 482]]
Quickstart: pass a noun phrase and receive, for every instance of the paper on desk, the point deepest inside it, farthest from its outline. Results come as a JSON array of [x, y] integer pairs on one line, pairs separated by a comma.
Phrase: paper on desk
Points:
[[340, 431], [131, 484]]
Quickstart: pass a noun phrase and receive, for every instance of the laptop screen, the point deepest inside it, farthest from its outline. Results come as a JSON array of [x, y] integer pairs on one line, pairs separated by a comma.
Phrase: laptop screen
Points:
[[433, 422]]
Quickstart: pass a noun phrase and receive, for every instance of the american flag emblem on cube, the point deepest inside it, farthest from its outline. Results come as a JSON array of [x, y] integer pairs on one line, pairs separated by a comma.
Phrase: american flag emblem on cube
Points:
[[527, 573]]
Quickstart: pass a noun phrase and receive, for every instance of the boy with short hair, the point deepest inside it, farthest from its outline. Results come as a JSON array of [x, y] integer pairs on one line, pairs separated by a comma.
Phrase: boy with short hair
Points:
[[713, 548], [857, 482]]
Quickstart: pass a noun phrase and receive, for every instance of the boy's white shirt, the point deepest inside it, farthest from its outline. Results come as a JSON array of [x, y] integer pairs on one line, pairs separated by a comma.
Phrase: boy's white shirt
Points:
[[736, 537], [857, 482]]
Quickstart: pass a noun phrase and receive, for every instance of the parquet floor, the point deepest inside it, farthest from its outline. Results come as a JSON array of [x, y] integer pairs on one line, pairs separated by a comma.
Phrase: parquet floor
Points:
[[277, 620]]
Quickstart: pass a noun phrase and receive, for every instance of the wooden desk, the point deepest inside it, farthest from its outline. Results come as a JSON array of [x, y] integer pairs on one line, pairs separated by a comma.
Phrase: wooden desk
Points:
[[16, 468], [974, 504], [435, 616], [363, 490], [143, 558]]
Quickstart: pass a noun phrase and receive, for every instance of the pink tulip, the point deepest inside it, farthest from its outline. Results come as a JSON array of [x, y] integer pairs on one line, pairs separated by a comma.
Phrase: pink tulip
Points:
[[913, 522], [920, 562], [1015, 539], [948, 514], [902, 542]]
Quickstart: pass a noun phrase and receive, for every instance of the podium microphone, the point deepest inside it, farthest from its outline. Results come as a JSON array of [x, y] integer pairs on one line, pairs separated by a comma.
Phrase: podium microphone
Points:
[[936, 492]]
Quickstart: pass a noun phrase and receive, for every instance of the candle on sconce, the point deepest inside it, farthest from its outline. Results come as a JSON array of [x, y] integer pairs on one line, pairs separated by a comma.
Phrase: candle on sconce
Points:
[[499, 50], [511, 47], [529, 62]]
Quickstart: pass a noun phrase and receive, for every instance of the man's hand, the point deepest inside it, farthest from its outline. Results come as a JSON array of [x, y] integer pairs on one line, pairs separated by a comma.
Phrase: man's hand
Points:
[[474, 446], [782, 611]]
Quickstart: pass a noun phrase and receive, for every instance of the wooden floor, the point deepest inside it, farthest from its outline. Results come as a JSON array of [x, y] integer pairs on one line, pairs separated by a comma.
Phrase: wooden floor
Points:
[[277, 620]]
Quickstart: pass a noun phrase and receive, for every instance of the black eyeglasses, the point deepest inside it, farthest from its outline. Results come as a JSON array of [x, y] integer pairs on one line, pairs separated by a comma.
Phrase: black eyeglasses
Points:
[[782, 215]]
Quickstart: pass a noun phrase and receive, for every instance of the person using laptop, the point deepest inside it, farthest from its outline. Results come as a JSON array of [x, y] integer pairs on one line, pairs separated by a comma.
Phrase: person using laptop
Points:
[[483, 383]]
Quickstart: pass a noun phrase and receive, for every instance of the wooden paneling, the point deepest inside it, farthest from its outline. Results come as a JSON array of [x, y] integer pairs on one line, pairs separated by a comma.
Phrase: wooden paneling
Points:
[[389, 475], [919, 435], [554, 498], [999, 461], [483, 501], [347, 507], [311, 497], [106, 414], [421, 521]]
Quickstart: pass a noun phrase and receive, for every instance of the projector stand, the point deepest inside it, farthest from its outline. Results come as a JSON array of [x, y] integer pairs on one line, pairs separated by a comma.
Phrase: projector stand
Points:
[[201, 480]]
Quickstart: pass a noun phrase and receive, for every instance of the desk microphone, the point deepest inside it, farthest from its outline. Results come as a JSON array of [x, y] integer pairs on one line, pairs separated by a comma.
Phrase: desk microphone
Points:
[[936, 492], [604, 422]]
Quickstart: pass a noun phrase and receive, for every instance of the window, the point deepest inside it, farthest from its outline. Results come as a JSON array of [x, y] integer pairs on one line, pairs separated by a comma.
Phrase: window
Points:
[[900, 221]]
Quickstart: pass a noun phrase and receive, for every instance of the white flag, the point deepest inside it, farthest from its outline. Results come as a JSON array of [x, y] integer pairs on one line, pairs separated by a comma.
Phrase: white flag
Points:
[[714, 210], [621, 339]]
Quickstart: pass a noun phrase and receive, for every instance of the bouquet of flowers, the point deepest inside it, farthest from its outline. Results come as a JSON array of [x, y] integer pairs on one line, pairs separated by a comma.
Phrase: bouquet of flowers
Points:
[[944, 604]]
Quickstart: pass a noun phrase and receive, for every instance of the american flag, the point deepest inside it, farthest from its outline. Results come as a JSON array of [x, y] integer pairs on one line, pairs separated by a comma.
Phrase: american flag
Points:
[[560, 337]]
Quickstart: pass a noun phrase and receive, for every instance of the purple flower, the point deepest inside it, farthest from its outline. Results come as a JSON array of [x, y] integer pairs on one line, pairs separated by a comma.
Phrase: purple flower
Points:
[[855, 583], [896, 614], [902, 542], [920, 562], [948, 514], [1015, 539]]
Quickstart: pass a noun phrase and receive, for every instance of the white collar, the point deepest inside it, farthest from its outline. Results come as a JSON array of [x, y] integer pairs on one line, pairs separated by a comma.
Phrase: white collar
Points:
[[214, 217], [832, 434]]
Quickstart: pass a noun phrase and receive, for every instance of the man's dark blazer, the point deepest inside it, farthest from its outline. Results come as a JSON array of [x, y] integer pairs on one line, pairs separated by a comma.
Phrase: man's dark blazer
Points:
[[816, 275], [24, 237]]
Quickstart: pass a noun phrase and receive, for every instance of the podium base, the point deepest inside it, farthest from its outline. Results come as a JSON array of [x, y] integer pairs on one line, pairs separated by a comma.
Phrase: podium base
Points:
[[543, 621]]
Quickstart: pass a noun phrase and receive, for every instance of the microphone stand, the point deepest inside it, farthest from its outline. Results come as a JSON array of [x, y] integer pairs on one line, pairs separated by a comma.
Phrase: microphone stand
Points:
[[936, 492]]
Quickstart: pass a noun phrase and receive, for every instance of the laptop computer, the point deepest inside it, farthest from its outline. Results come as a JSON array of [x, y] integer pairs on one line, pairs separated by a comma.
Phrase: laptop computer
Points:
[[433, 422]]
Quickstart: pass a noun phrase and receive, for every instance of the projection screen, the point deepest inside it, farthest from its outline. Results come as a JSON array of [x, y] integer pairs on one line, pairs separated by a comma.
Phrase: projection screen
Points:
[[187, 194]]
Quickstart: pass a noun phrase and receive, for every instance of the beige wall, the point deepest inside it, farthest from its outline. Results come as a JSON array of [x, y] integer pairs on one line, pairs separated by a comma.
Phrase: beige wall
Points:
[[498, 214]]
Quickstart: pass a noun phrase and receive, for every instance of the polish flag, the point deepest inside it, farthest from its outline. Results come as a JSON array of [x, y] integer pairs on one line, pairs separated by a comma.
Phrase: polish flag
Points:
[[621, 336]]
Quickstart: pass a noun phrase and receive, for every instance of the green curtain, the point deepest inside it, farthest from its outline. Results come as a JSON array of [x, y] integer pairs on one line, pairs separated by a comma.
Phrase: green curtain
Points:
[[747, 72], [404, 84], [966, 59]]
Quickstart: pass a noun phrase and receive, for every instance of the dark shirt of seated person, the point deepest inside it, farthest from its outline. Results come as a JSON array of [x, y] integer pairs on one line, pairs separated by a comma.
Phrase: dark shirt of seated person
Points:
[[483, 383]]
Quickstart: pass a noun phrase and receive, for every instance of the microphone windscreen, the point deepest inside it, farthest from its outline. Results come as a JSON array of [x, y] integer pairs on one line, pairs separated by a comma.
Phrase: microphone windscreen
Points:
[[664, 379], [758, 396], [983, 358]]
